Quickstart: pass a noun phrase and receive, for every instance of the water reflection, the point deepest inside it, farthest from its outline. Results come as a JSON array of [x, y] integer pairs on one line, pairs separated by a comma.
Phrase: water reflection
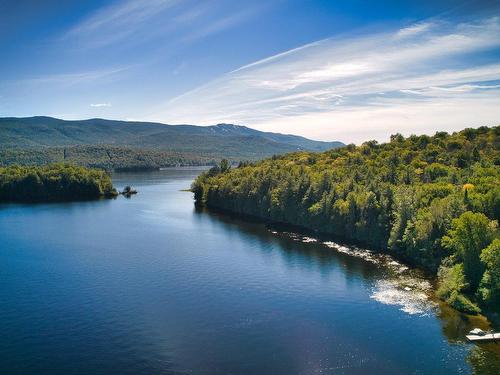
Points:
[[394, 283], [291, 250], [484, 358]]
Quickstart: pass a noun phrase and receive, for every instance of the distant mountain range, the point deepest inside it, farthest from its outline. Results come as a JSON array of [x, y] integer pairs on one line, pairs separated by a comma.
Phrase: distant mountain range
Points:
[[125, 144]]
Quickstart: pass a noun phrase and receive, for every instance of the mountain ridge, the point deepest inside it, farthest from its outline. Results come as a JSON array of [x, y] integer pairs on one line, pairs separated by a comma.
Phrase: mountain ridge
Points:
[[15, 133], [118, 144]]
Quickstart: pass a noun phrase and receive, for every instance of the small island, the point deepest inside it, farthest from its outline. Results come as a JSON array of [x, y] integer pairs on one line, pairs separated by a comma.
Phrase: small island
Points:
[[55, 182], [128, 191]]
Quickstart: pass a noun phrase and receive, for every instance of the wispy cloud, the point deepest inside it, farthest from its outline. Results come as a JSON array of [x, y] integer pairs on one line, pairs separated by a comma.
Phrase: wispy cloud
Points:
[[222, 23], [338, 88], [74, 78], [121, 18], [100, 105], [176, 21], [414, 30]]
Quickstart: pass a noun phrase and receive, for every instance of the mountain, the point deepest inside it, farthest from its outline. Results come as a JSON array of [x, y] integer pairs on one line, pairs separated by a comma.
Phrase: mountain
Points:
[[99, 142]]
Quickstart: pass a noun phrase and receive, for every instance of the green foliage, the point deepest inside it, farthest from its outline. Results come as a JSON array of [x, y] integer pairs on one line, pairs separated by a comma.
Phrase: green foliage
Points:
[[103, 157], [462, 303], [403, 196], [53, 183], [451, 279], [490, 284], [225, 166], [452, 283], [468, 236]]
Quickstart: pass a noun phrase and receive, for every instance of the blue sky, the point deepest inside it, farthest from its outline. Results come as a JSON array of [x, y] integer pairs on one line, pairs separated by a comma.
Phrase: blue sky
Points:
[[346, 70]]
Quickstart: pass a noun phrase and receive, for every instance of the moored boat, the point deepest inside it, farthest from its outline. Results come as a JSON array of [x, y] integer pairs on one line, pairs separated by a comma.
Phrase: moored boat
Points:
[[478, 335]]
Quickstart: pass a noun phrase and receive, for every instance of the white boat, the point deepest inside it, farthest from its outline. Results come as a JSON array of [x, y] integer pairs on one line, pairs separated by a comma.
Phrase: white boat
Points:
[[478, 335]]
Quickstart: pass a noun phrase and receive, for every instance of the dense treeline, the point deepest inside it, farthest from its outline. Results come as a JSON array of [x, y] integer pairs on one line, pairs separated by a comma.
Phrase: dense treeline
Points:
[[433, 201], [111, 158], [55, 182]]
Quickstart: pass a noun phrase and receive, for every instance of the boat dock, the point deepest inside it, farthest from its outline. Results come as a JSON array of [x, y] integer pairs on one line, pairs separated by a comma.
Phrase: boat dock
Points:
[[478, 335]]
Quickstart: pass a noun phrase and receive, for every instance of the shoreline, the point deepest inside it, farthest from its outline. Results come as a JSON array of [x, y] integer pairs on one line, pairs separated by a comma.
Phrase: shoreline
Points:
[[492, 318]]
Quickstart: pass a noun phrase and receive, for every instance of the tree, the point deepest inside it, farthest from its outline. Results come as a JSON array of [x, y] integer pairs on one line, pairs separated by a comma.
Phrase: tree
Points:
[[404, 212], [224, 166], [469, 235], [490, 283], [451, 284]]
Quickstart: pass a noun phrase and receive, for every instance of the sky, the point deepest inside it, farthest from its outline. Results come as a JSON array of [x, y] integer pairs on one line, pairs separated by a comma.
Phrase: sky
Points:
[[328, 70]]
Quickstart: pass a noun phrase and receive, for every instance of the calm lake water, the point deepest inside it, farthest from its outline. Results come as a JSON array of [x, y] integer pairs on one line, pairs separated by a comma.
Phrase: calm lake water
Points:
[[151, 285]]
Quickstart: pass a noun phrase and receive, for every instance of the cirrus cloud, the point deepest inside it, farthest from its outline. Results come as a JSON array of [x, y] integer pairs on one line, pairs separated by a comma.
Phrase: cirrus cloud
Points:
[[433, 75]]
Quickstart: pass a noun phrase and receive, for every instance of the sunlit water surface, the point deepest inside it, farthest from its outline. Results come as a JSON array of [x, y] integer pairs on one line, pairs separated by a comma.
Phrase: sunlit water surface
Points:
[[151, 285]]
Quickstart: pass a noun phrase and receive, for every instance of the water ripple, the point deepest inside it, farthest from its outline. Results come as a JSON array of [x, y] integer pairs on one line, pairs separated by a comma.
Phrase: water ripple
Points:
[[401, 286]]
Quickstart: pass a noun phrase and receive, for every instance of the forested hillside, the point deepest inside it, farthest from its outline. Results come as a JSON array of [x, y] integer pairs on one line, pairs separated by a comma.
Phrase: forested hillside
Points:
[[128, 145], [57, 182], [434, 201], [104, 157]]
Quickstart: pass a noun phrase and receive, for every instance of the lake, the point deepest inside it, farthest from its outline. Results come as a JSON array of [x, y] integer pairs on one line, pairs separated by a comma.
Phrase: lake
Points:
[[152, 285]]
